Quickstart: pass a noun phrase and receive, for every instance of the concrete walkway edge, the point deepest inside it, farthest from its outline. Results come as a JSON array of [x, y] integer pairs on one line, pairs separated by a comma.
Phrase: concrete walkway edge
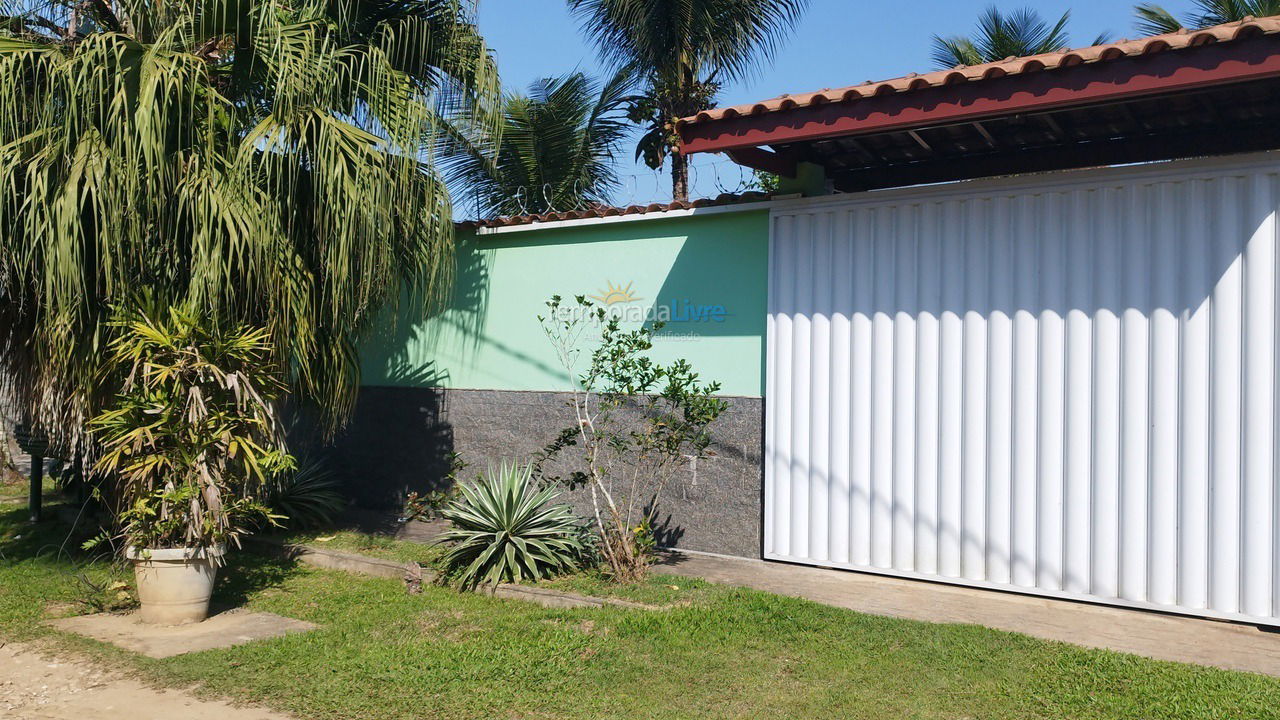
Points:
[[1156, 635]]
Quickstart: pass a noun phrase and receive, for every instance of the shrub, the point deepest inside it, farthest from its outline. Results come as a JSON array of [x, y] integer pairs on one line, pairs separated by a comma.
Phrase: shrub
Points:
[[102, 596], [507, 530], [191, 438], [307, 497], [636, 422], [430, 504]]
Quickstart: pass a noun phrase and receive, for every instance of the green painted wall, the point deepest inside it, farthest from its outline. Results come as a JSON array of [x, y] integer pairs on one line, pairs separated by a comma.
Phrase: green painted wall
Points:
[[490, 338]]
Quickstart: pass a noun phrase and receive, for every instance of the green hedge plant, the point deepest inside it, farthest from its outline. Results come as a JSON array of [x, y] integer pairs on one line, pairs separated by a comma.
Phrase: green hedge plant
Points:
[[505, 529]]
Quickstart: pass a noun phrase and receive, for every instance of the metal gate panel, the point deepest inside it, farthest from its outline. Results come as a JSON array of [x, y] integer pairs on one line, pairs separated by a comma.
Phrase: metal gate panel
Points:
[[1063, 385]]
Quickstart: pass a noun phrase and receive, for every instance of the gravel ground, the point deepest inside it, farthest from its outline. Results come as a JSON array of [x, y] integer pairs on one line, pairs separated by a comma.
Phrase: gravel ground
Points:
[[35, 686]]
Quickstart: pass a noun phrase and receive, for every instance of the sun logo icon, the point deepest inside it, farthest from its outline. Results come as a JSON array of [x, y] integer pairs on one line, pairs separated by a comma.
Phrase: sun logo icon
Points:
[[613, 294]]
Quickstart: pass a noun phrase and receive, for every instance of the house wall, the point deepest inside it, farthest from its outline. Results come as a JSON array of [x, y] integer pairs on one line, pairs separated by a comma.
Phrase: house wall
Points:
[[490, 338], [481, 379]]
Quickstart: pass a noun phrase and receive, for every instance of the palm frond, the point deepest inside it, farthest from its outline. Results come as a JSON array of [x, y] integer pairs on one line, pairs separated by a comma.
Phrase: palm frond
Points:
[[1216, 12], [729, 38], [555, 151], [1001, 35], [684, 50], [276, 160], [309, 496], [954, 51], [1153, 19]]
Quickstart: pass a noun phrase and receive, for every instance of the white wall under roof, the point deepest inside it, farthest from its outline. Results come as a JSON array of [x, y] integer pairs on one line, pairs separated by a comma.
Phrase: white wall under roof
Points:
[[1062, 384]]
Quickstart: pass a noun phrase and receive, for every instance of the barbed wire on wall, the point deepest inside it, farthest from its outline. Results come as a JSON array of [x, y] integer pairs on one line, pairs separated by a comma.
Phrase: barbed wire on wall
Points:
[[706, 180]]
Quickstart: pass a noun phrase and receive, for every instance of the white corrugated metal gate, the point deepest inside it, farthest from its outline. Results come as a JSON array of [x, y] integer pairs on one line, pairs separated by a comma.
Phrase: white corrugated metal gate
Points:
[[1063, 384]]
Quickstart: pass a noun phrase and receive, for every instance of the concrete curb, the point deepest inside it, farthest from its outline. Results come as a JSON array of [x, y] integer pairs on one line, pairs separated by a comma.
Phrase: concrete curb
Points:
[[326, 559], [559, 599], [350, 562]]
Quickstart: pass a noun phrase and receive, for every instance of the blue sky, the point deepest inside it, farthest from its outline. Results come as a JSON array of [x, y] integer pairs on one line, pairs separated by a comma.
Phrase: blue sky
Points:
[[838, 43]]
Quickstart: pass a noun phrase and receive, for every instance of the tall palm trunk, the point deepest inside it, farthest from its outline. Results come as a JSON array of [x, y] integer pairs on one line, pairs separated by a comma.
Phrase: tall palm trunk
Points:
[[679, 177], [686, 50], [8, 468]]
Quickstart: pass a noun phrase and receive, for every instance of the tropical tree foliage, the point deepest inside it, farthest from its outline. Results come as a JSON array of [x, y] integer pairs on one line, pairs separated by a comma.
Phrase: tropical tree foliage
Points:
[[1153, 19], [259, 161], [1001, 35], [684, 51], [557, 147], [307, 496]]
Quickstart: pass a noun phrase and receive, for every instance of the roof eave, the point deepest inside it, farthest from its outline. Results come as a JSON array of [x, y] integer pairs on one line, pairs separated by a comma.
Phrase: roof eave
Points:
[[1240, 60]]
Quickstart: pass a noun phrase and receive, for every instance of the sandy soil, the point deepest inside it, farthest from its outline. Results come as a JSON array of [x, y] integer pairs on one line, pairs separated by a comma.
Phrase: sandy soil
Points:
[[37, 686]]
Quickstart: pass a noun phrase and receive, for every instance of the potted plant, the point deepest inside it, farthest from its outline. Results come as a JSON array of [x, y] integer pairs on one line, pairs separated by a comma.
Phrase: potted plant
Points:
[[190, 441]]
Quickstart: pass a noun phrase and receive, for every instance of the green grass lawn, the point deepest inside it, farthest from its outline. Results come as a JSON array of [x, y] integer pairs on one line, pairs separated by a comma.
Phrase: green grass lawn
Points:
[[725, 653], [660, 590], [17, 492], [379, 546]]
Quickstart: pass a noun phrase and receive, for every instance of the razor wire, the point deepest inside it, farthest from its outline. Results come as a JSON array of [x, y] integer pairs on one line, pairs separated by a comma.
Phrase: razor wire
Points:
[[707, 180]]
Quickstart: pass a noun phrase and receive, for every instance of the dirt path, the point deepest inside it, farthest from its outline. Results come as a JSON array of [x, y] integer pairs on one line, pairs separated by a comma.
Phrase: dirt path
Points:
[[39, 686]]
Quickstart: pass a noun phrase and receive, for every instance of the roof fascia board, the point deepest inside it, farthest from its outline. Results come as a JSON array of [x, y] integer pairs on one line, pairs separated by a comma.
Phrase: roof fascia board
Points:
[[1046, 181]]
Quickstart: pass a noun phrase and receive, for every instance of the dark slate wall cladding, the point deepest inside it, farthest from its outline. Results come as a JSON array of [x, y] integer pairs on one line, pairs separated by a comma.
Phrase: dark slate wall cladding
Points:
[[400, 440]]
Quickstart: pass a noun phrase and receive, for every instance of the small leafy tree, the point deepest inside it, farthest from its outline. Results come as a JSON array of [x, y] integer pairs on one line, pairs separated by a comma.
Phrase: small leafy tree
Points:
[[192, 437], [765, 181], [636, 422]]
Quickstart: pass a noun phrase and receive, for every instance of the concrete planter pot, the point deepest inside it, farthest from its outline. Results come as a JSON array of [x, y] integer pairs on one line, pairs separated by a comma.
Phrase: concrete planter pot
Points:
[[174, 586]]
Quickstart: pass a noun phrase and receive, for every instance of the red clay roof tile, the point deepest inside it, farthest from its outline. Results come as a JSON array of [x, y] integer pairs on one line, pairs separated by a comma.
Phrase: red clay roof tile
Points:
[[1249, 27]]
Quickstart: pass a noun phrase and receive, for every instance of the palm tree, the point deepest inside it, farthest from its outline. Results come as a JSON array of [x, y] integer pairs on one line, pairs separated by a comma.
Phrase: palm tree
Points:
[[557, 147], [265, 161], [999, 36], [1155, 20], [683, 50]]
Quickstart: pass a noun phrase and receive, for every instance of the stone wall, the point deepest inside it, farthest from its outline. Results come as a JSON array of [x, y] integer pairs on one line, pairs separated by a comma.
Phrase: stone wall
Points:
[[402, 440]]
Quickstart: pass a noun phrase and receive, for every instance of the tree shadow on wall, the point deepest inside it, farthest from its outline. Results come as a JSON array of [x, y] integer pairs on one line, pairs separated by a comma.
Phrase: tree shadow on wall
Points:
[[405, 338], [398, 441]]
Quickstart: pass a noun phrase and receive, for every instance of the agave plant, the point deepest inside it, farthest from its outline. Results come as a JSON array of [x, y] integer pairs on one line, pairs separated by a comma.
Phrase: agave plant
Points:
[[507, 530]]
